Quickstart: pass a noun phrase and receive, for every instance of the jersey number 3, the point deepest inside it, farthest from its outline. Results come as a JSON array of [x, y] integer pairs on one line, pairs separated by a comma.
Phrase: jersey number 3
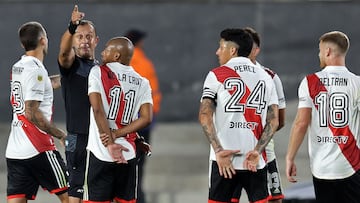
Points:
[[18, 101]]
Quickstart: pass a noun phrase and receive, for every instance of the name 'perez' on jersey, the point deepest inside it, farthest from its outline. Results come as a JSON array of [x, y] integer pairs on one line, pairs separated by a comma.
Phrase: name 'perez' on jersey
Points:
[[242, 92]]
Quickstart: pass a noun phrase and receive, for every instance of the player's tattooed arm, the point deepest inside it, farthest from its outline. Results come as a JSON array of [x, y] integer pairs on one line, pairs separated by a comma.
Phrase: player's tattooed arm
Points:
[[34, 115], [207, 109], [272, 123]]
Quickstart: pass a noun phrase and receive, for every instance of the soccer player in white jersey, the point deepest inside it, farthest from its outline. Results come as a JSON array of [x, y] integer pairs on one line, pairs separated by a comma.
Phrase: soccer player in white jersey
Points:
[[121, 104], [239, 115], [328, 111], [31, 156], [274, 183]]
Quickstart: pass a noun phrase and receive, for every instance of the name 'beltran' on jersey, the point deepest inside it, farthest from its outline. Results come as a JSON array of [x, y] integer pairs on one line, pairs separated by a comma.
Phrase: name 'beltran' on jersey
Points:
[[334, 81]]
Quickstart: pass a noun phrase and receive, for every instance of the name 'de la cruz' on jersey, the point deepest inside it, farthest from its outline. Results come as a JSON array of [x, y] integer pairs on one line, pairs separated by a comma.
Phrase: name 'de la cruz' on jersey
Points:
[[29, 81], [122, 91], [334, 96], [242, 92]]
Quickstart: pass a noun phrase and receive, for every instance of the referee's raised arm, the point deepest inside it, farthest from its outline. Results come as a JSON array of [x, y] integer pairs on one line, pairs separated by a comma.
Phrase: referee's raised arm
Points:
[[67, 54]]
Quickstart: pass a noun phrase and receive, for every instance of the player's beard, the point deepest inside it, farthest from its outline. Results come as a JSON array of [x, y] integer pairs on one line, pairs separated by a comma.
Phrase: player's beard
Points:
[[322, 64]]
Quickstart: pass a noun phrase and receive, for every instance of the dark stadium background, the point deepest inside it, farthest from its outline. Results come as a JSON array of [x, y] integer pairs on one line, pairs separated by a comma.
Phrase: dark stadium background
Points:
[[183, 37]]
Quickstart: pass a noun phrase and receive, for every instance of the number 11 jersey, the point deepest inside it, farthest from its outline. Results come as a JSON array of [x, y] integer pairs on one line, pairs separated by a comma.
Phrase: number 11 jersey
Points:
[[122, 91]]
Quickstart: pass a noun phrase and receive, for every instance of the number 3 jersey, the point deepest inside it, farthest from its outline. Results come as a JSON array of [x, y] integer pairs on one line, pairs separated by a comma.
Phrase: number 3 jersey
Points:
[[122, 91], [334, 96], [242, 92], [29, 81]]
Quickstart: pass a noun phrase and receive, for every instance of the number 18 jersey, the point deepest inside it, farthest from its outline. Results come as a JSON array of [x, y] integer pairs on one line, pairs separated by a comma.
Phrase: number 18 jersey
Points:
[[122, 91], [334, 96], [242, 92]]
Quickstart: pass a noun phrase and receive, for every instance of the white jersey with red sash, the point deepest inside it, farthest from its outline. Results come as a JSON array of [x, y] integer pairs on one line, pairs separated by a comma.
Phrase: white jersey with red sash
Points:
[[270, 148], [122, 91], [334, 96], [242, 92], [29, 81]]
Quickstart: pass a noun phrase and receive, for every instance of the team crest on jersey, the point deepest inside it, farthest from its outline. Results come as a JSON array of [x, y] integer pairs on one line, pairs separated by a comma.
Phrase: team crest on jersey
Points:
[[39, 78]]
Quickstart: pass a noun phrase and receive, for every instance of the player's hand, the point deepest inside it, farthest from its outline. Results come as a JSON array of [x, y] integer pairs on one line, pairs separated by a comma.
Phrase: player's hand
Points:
[[252, 160], [223, 159], [61, 135], [76, 15], [105, 138], [290, 171], [115, 151], [63, 140]]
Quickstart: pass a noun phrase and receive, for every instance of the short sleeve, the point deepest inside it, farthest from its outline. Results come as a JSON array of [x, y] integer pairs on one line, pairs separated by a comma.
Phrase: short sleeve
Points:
[[210, 87], [305, 100], [94, 83], [146, 96], [273, 96], [35, 84], [279, 92]]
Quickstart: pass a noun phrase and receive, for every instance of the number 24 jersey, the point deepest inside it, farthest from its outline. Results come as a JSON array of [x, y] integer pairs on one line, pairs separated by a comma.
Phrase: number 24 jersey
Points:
[[242, 92]]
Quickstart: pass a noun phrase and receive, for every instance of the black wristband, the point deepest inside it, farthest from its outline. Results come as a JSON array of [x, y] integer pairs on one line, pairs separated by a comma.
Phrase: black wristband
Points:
[[72, 27]]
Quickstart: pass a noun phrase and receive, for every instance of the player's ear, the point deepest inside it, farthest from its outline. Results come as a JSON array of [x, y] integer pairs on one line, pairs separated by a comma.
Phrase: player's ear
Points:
[[233, 51], [42, 40], [257, 51], [97, 39], [117, 56], [328, 51]]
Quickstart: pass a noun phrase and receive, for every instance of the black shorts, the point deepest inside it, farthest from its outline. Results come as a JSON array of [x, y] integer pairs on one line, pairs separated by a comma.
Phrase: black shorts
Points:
[[274, 183], [106, 181], [75, 151], [254, 183], [339, 190], [46, 169]]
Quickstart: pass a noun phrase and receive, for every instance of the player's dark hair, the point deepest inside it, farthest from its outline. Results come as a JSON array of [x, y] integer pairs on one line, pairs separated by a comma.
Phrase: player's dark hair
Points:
[[29, 34], [254, 35], [239, 37]]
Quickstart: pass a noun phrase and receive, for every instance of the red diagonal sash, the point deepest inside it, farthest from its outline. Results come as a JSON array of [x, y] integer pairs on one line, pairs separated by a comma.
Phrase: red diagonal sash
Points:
[[349, 149], [40, 140], [223, 73], [109, 80]]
